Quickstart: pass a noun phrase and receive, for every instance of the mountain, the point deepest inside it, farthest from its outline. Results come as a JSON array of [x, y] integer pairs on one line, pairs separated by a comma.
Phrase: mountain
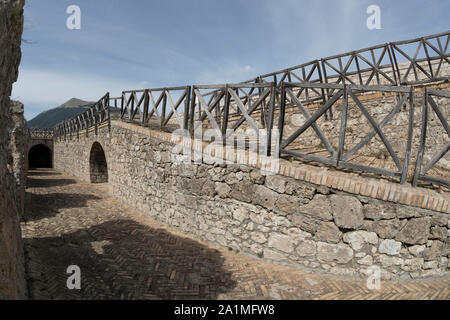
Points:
[[51, 117]]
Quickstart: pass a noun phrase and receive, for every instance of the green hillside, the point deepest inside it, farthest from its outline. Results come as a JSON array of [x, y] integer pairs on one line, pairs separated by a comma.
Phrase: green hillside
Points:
[[51, 117]]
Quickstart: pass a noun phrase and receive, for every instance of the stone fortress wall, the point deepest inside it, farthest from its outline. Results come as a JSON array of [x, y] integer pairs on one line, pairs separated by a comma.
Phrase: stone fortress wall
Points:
[[337, 226], [13, 141]]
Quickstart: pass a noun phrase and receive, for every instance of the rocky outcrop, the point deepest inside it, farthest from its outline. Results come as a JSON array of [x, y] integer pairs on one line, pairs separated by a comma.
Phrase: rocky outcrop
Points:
[[12, 282]]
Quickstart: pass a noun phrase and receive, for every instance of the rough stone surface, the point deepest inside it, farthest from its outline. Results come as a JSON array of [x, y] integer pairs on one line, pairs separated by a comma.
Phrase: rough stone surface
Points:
[[281, 242], [358, 239], [12, 281], [339, 253], [247, 211], [328, 232], [347, 211], [287, 203], [416, 231], [264, 197], [376, 210], [416, 250], [276, 183], [306, 248], [319, 207], [387, 229], [434, 251], [222, 189], [390, 247], [438, 233], [305, 223]]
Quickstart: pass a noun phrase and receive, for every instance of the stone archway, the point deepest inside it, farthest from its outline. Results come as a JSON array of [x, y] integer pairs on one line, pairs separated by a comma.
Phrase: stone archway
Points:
[[97, 164], [40, 156]]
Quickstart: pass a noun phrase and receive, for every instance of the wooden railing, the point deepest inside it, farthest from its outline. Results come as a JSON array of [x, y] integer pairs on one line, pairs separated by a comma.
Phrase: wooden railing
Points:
[[43, 133], [339, 155], [429, 101], [226, 108], [158, 104], [256, 103], [94, 116]]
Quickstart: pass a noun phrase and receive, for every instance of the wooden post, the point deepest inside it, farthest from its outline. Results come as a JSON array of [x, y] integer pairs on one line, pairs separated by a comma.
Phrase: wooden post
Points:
[[343, 125], [225, 115], [163, 109], [187, 100], [410, 134], [192, 112], [418, 169], [281, 117], [270, 120], [144, 119], [108, 111]]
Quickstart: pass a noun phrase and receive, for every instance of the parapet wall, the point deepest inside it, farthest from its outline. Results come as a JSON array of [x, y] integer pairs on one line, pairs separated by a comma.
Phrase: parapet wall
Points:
[[300, 217], [12, 142]]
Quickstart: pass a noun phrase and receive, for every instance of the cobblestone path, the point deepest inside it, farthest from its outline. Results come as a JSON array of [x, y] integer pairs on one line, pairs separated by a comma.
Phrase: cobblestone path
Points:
[[124, 255]]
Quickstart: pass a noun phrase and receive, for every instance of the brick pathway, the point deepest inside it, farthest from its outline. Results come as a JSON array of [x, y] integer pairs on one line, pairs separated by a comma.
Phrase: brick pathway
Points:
[[124, 255]]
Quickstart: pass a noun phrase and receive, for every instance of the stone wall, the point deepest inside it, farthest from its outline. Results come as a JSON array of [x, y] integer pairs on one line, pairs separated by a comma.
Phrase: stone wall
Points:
[[18, 148], [272, 217], [12, 282]]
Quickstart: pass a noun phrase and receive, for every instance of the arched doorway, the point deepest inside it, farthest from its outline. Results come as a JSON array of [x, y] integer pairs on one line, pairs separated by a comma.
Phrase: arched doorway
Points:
[[97, 164], [40, 156]]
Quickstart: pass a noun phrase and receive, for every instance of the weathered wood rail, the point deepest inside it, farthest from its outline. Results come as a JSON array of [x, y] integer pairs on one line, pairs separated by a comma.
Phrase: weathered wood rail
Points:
[[261, 103], [97, 114], [337, 156], [44, 133], [429, 101]]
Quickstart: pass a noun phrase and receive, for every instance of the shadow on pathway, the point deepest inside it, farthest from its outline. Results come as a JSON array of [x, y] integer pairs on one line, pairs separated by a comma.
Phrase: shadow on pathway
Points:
[[123, 259]]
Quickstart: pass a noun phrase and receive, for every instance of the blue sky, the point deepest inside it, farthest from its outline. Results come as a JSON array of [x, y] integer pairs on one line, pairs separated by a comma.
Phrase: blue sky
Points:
[[136, 44]]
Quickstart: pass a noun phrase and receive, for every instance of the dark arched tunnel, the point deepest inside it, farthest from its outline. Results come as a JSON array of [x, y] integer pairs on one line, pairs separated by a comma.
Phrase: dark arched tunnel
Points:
[[98, 165], [40, 156]]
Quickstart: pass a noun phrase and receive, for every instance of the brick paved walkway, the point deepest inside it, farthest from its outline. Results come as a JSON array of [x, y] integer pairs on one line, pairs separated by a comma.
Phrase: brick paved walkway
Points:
[[124, 255]]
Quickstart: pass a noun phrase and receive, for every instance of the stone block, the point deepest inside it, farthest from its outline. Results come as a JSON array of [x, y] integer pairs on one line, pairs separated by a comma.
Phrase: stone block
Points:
[[305, 223], [328, 232], [434, 251], [264, 197], [273, 255], [223, 190], [319, 207], [281, 242], [306, 248], [287, 203], [377, 210], [416, 231], [358, 239], [339, 253], [347, 211], [390, 247], [439, 233], [243, 191], [276, 183], [387, 229]]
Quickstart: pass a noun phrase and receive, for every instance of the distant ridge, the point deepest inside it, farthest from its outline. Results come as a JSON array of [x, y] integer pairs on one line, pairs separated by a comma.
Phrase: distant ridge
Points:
[[51, 117]]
